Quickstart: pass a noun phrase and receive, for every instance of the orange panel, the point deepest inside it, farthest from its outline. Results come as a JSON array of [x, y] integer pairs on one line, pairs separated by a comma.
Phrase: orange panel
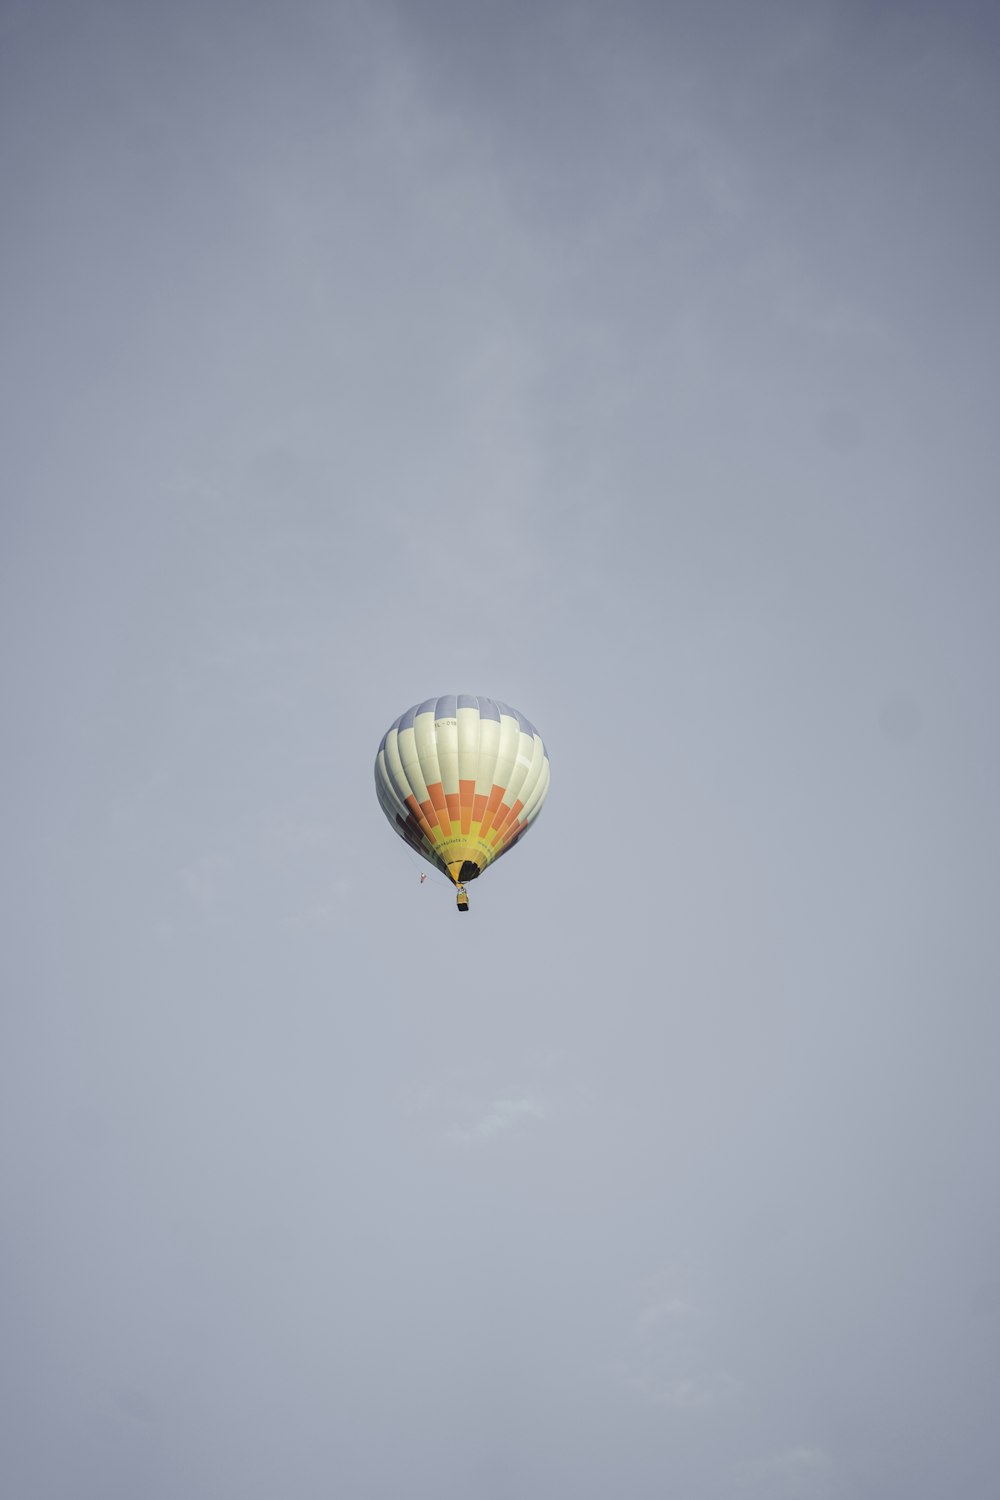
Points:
[[420, 814], [427, 808], [499, 819], [511, 817], [436, 794], [467, 794], [492, 803]]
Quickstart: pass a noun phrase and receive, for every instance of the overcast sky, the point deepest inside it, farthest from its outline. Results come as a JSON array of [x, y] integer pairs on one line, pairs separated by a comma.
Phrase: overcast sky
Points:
[[636, 364]]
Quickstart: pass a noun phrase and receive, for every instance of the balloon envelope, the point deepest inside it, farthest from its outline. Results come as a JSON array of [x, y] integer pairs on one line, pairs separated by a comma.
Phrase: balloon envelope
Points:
[[461, 779]]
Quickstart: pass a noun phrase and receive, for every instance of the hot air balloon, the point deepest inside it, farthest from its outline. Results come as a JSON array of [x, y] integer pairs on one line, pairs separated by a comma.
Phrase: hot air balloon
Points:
[[461, 779]]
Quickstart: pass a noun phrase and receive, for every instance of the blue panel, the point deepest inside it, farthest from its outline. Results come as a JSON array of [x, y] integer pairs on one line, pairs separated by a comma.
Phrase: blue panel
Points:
[[448, 706]]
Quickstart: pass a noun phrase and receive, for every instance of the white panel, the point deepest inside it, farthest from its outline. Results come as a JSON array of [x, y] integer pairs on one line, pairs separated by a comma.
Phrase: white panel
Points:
[[387, 793], [522, 765], [410, 761], [423, 730], [468, 743], [489, 749], [510, 740], [395, 774], [533, 805], [534, 771], [446, 739]]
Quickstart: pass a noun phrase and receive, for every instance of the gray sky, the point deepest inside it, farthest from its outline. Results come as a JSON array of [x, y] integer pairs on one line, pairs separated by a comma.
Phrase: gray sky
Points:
[[635, 364]]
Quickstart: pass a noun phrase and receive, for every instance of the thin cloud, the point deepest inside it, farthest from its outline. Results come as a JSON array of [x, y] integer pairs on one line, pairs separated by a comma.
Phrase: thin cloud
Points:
[[668, 1309], [502, 1116], [663, 1302], [668, 1362], [679, 1393], [797, 1473], [208, 879]]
